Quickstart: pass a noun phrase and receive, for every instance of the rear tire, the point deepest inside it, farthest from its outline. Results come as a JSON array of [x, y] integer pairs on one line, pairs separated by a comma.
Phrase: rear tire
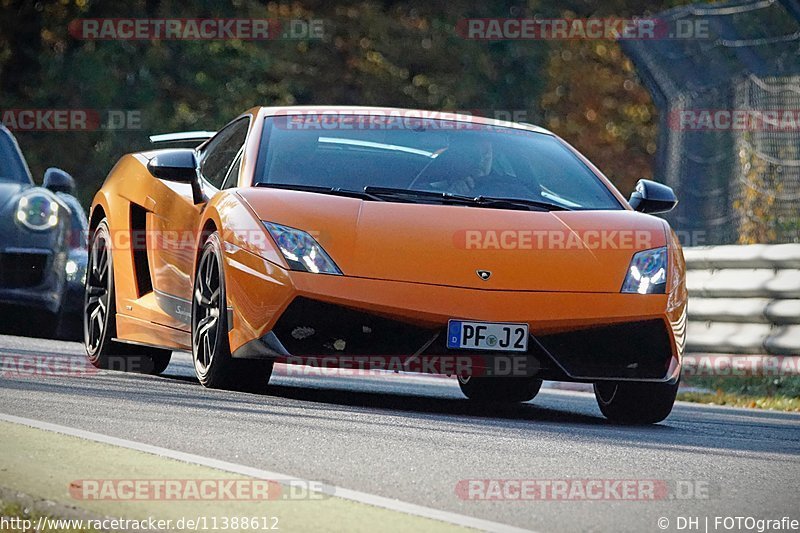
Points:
[[499, 389], [160, 359], [99, 316], [631, 402], [211, 352]]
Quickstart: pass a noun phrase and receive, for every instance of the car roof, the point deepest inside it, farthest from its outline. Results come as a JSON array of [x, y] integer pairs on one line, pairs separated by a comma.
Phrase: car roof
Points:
[[460, 116]]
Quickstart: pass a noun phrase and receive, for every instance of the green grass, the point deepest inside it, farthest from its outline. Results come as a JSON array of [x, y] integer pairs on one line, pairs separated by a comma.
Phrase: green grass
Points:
[[17, 511], [774, 403], [776, 393]]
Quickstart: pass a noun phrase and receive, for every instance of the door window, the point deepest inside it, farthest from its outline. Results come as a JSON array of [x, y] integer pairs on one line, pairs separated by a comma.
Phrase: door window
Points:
[[218, 155]]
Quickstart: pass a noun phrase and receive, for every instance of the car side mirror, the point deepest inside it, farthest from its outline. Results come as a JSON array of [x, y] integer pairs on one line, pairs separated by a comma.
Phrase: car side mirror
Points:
[[652, 197], [174, 165], [58, 180], [178, 165]]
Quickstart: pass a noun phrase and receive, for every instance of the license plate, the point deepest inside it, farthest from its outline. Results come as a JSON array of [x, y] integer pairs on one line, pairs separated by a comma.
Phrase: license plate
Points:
[[495, 336]]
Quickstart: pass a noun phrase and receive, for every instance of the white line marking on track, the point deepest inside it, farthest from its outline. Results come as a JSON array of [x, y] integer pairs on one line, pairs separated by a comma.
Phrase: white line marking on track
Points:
[[338, 492]]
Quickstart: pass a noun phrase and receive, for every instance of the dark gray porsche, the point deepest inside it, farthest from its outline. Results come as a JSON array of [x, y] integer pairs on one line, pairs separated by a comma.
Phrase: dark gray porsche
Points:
[[42, 246]]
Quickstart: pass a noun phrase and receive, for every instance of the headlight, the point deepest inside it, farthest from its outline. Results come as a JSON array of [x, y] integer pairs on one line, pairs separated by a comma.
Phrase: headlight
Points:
[[37, 211], [75, 270], [647, 273], [301, 251]]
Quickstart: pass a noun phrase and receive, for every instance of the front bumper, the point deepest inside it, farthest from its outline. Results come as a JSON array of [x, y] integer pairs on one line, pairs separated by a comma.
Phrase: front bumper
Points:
[[32, 277], [32, 265], [575, 336]]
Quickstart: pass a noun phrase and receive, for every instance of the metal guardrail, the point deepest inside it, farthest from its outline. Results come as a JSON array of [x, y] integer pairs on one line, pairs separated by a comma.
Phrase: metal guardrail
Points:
[[744, 299]]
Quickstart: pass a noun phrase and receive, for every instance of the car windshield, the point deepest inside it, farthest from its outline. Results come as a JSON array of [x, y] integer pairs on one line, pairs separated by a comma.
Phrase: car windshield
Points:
[[400, 159], [12, 168]]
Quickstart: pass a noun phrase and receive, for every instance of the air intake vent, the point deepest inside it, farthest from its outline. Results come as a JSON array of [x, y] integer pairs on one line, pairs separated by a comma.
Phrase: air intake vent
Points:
[[139, 248]]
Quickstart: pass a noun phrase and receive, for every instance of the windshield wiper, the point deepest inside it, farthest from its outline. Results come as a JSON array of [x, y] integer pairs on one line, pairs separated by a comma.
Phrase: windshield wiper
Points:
[[337, 191], [411, 195], [478, 201], [523, 202], [397, 193]]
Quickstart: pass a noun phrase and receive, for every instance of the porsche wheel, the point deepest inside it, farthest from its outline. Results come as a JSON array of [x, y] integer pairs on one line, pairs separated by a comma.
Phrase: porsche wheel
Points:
[[211, 353], [630, 402], [99, 317], [499, 389]]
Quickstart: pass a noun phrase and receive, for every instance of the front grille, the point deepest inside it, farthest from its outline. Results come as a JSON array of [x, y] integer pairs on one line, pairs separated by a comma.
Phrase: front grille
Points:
[[488, 363], [310, 327], [634, 350], [19, 270]]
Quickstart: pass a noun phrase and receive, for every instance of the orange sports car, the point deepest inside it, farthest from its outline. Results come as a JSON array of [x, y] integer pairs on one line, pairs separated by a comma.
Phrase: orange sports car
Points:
[[400, 240]]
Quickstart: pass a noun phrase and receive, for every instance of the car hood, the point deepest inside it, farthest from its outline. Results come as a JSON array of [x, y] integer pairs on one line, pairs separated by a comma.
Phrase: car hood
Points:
[[9, 190], [574, 251]]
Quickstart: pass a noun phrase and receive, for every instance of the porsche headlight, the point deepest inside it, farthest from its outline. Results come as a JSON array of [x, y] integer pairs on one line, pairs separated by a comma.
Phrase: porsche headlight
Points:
[[37, 211], [647, 273], [301, 251], [75, 270]]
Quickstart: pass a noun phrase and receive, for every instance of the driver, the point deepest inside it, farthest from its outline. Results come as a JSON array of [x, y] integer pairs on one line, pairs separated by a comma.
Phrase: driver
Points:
[[479, 173]]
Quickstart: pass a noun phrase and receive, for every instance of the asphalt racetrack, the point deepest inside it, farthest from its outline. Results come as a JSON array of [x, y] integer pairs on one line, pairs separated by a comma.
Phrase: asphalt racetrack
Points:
[[417, 440]]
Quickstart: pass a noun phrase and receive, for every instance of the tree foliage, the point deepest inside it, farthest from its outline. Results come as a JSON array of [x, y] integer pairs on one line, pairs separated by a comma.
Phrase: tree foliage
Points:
[[405, 54]]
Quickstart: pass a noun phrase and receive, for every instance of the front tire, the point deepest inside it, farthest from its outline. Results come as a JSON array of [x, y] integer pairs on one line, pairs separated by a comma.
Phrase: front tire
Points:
[[99, 316], [499, 389], [631, 402], [211, 352]]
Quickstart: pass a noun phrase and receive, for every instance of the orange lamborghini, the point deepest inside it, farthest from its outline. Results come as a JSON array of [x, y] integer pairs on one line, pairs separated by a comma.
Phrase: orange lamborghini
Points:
[[392, 239]]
